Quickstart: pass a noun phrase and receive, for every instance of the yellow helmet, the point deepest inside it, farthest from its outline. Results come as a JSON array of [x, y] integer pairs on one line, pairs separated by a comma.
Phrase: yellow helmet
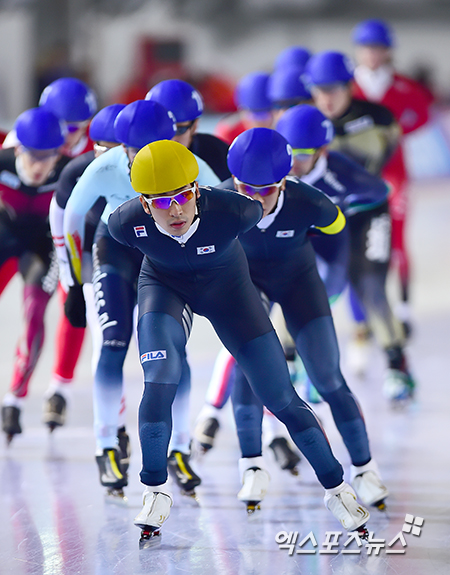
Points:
[[163, 166]]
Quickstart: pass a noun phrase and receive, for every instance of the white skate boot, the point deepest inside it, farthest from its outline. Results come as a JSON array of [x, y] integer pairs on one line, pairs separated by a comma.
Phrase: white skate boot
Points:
[[342, 503], [255, 482], [156, 510], [368, 485]]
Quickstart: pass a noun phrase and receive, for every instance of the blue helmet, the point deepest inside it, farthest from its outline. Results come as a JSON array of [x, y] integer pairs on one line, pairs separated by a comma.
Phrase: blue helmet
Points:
[[251, 92], [70, 99], [328, 68], [260, 156], [293, 56], [305, 127], [39, 129], [143, 122], [101, 128], [179, 97], [373, 32], [286, 86]]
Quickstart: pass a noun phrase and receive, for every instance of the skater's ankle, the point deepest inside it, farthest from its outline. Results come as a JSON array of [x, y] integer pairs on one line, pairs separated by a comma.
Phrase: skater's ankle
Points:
[[208, 410], [11, 400], [336, 490], [371, 465], [58, 387], [249, 463], [161, 488]]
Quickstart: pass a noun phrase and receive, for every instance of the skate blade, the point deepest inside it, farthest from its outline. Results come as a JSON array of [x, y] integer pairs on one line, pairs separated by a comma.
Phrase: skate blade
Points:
[[52, 426], [401, 404], [253, 508], [191, 496], [9, 438], [199, 449], [116, 497], [363, 532], [380, 505], [150, 537]]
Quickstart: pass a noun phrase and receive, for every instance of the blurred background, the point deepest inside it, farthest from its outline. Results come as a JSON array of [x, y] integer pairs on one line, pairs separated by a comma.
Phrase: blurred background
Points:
[[123, 47]]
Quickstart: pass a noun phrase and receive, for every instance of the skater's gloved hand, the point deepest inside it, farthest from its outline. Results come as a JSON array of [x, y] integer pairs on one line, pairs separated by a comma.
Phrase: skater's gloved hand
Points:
[[75, 306]]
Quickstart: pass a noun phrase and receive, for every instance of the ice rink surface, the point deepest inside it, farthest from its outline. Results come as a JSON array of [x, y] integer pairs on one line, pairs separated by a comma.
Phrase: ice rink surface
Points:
[[54, 519]]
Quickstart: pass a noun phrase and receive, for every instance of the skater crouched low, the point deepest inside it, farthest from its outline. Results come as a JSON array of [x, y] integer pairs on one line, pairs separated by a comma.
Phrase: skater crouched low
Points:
[[194, 263]]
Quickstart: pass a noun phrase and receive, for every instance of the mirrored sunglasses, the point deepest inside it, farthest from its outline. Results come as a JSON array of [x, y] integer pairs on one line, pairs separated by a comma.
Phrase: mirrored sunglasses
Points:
[[263, 191], [73, 127], [183, 129], [303, 153], [164, 202]]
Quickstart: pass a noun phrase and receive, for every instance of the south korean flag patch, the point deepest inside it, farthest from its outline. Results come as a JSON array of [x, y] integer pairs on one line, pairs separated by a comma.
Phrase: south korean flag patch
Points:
[[285, 233], [206, 250], [140, 231]]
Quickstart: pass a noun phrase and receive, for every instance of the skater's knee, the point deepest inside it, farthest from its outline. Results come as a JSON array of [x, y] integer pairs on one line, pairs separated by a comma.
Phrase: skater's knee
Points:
[[327, 377], [112, 357], [161, 371]]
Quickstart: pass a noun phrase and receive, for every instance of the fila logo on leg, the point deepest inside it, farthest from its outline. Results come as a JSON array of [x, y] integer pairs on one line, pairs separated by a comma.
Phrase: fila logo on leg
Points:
[[153, 355]]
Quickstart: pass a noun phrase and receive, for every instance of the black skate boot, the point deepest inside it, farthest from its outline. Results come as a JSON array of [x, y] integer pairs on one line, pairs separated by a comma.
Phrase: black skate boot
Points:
[[284, 455], [399, 385], [11, 422], [181, 471], [112, 475], [124, 448], [205, 433], [54, 411]]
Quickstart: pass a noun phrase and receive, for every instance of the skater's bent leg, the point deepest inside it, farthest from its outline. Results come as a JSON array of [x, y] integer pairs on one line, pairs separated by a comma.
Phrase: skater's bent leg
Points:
[[68, 345], [115, 310], [93, 323], [387, 329], [30, 346], [262, 360], [107, 393], [155, 428], [248, 411], [162, 342], [356, 306], [318, 348], [181, 437]]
